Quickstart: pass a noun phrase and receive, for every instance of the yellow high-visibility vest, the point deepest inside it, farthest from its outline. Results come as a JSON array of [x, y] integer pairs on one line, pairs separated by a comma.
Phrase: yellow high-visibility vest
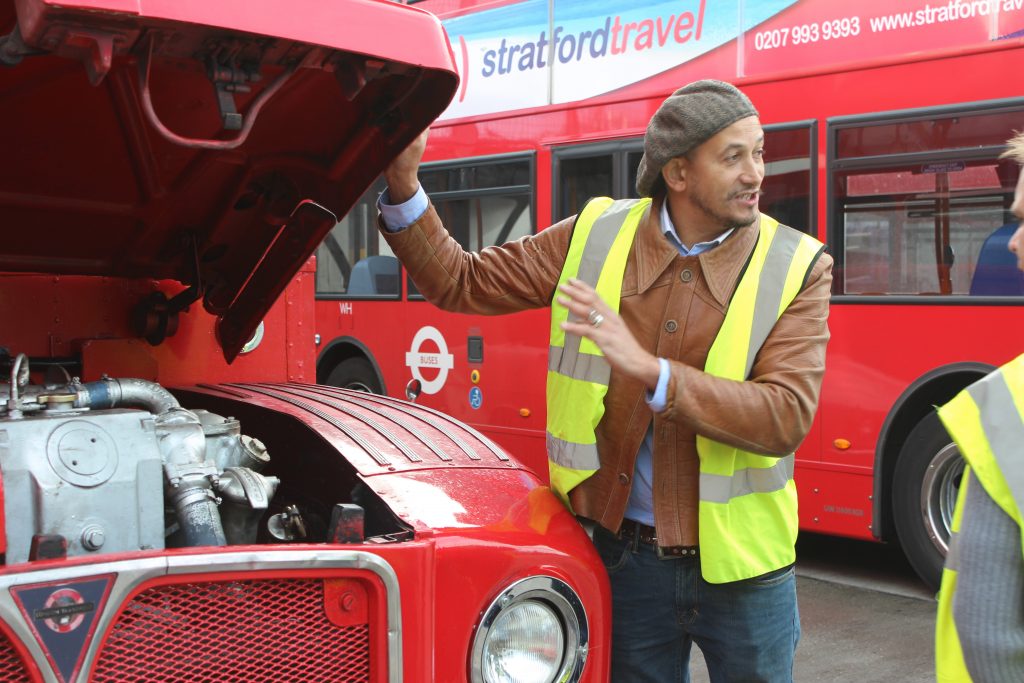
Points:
[[578, 372], [748, 517], [985, 421]]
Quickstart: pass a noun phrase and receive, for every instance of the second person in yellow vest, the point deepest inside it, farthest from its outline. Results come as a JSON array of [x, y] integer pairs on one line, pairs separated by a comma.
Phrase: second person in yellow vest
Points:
[[687, 350], [979, 635]]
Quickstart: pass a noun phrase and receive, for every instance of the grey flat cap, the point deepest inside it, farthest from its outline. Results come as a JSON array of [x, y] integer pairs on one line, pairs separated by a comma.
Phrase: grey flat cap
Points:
[[693, 114]]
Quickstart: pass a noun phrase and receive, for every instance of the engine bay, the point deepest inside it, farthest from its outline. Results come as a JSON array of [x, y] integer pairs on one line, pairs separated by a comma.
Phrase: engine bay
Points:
[[118, 465]]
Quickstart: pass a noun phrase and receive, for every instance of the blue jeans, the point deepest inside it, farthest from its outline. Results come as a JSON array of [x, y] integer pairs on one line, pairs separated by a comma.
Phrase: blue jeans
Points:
[[747, 630]]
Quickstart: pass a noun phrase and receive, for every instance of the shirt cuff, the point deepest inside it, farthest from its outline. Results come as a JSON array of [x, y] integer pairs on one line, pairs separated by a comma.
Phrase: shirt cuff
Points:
[[659, 398], [400, 216]]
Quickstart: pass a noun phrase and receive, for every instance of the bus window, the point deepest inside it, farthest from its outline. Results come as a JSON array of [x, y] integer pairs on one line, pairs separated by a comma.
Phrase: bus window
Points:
[[786, 189], [922, 207], [482, 202], [583, 178], [922, 134], [353, 260], [582, 172]]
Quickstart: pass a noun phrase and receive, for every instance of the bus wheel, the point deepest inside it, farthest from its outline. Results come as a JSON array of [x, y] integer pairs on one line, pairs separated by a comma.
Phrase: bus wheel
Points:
[[357, 374], [924, 490]]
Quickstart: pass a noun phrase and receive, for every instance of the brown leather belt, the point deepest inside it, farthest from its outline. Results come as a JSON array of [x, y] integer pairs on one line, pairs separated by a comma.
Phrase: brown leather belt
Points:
[[642, 533]]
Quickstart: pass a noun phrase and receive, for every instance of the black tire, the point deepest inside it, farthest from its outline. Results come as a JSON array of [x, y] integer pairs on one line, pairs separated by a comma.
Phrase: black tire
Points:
[[357, 374], [924, 489]]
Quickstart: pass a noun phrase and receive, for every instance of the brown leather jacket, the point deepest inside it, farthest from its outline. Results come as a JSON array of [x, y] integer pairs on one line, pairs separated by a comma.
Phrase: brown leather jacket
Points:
[[674, 305]]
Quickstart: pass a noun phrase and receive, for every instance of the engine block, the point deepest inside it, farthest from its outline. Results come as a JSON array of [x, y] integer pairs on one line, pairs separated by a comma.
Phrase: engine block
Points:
[[92, 477]]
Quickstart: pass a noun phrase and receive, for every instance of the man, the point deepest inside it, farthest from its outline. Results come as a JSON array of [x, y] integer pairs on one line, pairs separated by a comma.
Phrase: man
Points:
[[687, 351], [980, 628]]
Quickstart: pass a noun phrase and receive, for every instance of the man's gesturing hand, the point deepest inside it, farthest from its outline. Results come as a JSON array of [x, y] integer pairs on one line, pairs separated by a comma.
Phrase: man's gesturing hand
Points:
[[603, 326]]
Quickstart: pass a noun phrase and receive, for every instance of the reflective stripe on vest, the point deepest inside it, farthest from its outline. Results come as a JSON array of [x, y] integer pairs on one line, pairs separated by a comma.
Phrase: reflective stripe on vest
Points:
[[578, 373], [747, 517], [949, 665], [985, 420], [949, 657]]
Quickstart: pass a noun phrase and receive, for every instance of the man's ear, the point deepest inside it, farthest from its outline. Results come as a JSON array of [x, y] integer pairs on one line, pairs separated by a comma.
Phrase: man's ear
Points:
[[674, 173]]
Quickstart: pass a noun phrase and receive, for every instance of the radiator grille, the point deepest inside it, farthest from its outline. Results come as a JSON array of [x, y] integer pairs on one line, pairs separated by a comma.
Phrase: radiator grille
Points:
[[12, 669], [256, 631]]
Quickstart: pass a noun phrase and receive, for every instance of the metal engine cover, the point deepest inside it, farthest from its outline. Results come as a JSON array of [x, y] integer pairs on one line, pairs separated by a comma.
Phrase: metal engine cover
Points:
[[93, 477]]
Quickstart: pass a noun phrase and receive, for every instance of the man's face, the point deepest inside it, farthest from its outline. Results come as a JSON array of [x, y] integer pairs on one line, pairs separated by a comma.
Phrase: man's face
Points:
[[724, 174], [1017, 241]]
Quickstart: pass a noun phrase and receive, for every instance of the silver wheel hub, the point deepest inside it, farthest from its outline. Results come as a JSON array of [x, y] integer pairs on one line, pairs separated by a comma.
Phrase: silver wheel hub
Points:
[[939, 489]]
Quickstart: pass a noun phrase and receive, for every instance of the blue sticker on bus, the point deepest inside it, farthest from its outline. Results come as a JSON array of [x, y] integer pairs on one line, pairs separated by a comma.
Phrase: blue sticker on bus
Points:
[[476, 398]]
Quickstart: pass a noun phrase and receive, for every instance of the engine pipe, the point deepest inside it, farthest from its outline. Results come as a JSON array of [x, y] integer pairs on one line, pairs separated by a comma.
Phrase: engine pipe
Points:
[[110, 393], [189, 474]]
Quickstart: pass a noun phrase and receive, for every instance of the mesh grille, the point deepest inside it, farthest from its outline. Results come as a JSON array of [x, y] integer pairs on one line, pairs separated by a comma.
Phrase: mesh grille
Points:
[[262, 630], [11, 667]]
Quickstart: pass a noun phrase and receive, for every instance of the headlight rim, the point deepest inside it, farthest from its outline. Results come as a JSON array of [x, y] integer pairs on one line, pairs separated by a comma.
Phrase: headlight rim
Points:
[[562, 599]]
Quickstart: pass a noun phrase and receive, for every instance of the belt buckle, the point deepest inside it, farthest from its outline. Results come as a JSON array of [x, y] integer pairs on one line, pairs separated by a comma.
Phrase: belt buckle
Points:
[[691, 551]]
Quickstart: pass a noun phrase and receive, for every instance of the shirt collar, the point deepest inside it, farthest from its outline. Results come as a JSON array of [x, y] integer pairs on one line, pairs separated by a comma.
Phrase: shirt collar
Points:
[[721, 267], [669, 229]]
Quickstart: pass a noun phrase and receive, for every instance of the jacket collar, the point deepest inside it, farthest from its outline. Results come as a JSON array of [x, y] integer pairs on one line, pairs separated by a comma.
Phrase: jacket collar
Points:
[[721, 266]]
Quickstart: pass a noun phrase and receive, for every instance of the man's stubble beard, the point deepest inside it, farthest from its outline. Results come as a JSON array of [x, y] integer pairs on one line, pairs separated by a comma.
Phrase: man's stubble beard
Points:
[[727, 222]]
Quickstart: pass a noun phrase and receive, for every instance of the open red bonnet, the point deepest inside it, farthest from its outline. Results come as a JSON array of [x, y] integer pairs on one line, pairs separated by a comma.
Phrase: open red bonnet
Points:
[[210, 143]]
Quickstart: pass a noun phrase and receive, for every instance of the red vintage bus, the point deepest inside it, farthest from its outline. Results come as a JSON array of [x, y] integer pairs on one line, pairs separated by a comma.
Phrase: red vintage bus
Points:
[[884, 122], [178, 500]]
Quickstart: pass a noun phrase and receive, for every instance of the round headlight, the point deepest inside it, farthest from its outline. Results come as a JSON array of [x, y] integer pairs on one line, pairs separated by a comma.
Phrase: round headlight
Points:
[[526, 644], [535, 631], [254, 341]]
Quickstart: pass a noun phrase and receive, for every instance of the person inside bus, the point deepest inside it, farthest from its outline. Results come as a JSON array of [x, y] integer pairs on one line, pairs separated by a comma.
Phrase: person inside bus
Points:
[[979, 633], [686, 358]]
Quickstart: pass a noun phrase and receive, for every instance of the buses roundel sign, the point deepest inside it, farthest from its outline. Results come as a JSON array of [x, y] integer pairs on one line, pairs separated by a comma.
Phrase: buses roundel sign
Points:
[[420, 358]]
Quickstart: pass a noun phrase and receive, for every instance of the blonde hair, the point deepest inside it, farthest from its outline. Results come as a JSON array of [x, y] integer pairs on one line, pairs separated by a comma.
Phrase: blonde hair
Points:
[[1015, 148]]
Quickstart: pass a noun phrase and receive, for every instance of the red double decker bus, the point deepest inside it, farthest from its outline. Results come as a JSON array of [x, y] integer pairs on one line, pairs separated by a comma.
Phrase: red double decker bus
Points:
[[884, 122]]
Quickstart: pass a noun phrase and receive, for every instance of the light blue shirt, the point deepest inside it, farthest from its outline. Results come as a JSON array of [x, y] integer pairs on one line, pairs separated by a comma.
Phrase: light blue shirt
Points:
[[641, 499], [400, 216]]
